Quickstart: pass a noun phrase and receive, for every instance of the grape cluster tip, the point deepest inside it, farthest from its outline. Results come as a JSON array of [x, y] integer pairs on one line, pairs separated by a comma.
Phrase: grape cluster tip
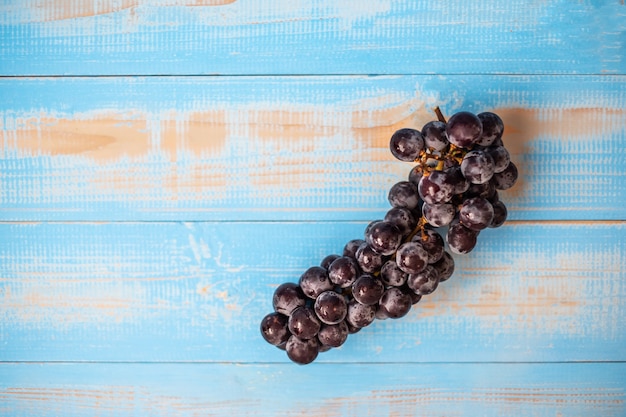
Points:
[[450, 195]]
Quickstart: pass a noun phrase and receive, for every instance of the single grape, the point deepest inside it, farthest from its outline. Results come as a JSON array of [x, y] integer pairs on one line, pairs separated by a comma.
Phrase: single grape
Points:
[[486, 190], [392, 275], [287, 297], [411, 257], [323, 348], [500, 214], [328, 260], [476, 213], [454, 177], [404, 194], [351, 247], [464, 129], [492, 128], [360, 315], [432, 241], [274, 329], [395, 303], [477, 166], [424, 282], [415, 298], [315, 281], [304, 323], [330, 307], [343, 271], [500, 156], [416, 174], [438, 215], [333, 335], [302, 351], [406, 144], [444, 266], [436, 188], [461, 240], [434, 134], [402, 218], [367, 289], [368, 259], [507, 178], [384, 237]]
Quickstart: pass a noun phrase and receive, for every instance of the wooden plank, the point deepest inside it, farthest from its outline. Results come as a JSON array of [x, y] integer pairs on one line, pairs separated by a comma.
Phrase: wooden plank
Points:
[[197, 291], [291, 148], [183, 37], [176, 390]]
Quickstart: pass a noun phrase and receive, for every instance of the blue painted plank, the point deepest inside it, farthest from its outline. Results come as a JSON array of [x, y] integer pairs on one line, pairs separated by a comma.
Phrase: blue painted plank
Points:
[[197, 291], [291, 148], [183, 37], [177, 390]]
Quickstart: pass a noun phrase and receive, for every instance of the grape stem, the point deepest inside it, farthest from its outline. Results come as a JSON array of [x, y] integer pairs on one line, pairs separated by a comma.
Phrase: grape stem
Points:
[[439, 114]]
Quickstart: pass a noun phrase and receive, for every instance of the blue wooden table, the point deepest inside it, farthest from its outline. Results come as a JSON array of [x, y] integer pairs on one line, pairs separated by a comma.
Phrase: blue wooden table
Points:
[[166, 164]]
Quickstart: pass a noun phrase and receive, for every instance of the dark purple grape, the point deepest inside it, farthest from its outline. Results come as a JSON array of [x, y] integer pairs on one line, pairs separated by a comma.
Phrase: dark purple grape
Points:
[[406, 144], [304, 323], [477, 166], [315, 281], [287, 297], [368, 259], [434, 134], [415, 298], [404, 194], [464, 129], [360, 315], [461, 240], [328, 260], [370, 225], [343, 271], [415, 175], [500, 156], [402, 218], [438, 215], [333, 335], [323, 348], [455, 178], [384, 237], [411, 257], [476, 213], [330, 307], [392, 275], [302, 351], [492, 128], [351, 247], [424, 282], [432, 241], [486, 190], [436, 188], [395, 303], [367, 289], [274, 329], [500, 214], [444, 267], [507, 178]]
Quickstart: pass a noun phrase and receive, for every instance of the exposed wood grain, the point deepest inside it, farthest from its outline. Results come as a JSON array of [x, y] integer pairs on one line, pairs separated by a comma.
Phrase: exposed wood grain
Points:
[[242, 148], [325, 37], [176, 390], [197, 291]]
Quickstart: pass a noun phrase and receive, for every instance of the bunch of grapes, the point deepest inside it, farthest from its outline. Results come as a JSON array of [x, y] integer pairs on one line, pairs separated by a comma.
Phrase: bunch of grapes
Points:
[[459, 167]]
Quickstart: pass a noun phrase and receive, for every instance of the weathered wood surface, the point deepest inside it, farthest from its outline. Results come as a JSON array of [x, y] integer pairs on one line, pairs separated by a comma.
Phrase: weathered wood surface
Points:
[[215, 148], [366, 389], [165, 164], [166, 37], [197, 291]]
